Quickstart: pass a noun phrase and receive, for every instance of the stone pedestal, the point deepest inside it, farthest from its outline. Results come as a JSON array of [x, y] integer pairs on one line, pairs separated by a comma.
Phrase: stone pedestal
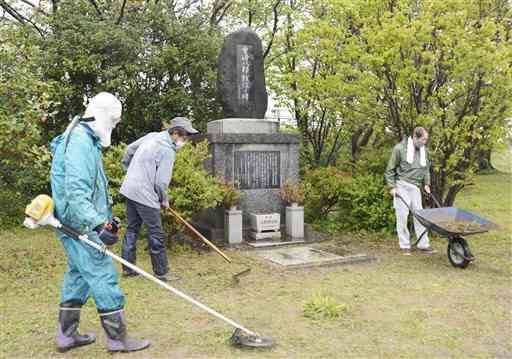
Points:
[[233, 226], [295, 222], [259, 163], [242, 125]]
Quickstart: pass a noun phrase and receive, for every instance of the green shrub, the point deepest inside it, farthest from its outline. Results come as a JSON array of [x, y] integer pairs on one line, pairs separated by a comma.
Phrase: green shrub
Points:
[[114, 170], [337, 201], [324, 307], [372, 161], [230, 194], [330, 224], [33, 177], [325, 188], [12, 207], [371, 206], [119, 210], [192, 188], [21, 181], [25, 103]]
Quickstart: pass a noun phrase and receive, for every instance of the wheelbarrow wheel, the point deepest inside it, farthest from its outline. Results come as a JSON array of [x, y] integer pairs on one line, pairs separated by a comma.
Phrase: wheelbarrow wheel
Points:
[[458, 252]]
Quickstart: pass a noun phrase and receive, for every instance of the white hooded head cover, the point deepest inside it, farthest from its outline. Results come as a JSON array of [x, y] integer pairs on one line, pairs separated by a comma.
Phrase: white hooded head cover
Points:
[[106, 110]]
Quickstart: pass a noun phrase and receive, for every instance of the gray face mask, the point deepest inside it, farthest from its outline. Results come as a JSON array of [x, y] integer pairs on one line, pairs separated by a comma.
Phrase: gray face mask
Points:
[[418, 144]]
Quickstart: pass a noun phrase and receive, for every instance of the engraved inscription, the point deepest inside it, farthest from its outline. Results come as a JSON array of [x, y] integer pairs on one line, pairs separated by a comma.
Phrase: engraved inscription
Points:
[[257, 169], [244, 72]]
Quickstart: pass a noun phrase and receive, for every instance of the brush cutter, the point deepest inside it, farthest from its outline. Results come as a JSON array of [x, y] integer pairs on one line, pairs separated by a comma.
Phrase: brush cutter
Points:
[[236, 277], [40, 213]]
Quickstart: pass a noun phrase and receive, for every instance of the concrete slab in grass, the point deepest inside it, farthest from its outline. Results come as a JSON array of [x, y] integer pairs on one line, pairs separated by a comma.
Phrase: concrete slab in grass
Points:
[[303, 257]]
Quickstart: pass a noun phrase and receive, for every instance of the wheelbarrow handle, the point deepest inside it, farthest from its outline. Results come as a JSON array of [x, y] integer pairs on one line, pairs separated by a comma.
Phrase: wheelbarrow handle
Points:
[[436, 201], [403, 200]]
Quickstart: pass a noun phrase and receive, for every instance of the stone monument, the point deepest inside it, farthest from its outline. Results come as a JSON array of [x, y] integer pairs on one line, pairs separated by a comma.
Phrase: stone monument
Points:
[[241, 77], [246, 149]]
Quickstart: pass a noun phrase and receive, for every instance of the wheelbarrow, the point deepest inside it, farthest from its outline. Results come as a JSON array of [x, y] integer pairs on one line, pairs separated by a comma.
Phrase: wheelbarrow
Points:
[[452, 223]]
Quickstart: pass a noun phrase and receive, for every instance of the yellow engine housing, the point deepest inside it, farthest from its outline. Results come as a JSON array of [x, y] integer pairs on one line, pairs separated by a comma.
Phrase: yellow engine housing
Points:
[[40, 207]]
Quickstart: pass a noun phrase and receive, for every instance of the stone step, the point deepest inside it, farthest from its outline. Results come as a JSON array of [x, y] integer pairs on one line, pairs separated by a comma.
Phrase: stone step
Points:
[[274, 244]]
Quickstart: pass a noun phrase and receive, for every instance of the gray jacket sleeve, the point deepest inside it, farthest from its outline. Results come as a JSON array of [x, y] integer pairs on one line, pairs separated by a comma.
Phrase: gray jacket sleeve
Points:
[[164, 174], [130, 151]]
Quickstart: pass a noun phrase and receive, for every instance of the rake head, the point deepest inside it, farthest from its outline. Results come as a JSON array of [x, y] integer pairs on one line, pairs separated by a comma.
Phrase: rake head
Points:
[[250, 341]]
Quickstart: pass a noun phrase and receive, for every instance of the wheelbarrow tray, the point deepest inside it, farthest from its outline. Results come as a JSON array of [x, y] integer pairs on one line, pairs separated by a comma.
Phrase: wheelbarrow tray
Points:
[[451, 221]]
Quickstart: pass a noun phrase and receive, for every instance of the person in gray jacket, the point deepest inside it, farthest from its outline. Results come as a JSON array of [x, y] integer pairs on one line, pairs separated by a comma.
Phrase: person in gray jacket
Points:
[[148, 163]]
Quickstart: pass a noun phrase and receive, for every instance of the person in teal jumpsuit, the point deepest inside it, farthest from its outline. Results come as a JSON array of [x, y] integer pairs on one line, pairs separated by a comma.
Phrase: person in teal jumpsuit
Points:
[[82, 201]]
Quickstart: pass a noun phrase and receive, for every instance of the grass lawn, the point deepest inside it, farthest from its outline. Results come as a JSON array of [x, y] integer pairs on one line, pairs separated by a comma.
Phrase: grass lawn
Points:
[[395, 307]]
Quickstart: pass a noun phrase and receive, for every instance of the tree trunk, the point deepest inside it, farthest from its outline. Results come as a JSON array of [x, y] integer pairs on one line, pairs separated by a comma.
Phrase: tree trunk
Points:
[[360, 138], [484, 161], [450, 196]]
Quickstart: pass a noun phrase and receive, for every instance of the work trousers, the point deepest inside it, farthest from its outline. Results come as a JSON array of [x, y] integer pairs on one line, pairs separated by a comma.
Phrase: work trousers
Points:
[[90, 272], [137, 214], [412, 196]]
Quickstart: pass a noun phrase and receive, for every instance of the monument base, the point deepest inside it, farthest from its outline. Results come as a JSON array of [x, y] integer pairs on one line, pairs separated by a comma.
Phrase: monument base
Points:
[[258, 164], [264, 235], [242, 125]]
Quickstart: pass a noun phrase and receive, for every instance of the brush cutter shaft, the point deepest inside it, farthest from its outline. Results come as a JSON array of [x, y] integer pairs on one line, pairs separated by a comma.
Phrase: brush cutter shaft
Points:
[[189, 226], [103, 249]]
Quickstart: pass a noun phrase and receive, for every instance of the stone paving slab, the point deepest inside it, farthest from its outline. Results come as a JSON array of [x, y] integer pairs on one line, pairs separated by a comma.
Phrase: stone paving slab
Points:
[[303, 257]]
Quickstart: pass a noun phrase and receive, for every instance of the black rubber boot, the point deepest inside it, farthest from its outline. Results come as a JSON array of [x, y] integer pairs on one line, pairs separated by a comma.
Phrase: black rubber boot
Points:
[[67, 335], [118, 340]]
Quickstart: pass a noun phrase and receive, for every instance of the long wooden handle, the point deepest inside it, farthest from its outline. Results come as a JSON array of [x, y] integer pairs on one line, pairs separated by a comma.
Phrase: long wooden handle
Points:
[[199, 235]]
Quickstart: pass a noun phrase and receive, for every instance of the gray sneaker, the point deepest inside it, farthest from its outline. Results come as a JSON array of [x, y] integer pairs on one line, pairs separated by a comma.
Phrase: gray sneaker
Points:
[[168, 277], [406, 251], [427, 251], [127, 274]]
